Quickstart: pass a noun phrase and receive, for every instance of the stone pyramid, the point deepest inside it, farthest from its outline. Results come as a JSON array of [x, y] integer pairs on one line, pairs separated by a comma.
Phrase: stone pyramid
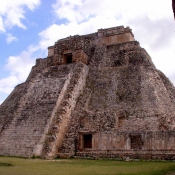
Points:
[[96, 95]]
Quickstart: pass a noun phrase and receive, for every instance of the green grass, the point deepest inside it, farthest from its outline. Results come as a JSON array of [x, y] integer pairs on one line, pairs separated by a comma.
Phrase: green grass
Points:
[[82, 167]]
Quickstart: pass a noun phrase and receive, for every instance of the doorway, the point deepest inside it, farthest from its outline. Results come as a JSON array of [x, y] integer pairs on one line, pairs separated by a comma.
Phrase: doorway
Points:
[[87, 138], [136, 141], [68, 58]]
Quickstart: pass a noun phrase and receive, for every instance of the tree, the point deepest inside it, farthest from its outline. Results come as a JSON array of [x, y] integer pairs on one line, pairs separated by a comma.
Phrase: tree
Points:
[[173, 6]]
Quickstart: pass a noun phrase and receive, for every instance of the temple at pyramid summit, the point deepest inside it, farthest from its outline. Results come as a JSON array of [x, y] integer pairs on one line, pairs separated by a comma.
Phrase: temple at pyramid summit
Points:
[[95, 95]]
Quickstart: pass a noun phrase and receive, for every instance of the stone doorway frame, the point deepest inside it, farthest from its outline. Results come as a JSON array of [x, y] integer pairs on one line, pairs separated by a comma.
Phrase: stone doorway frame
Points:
[[68, 58], [85, 144]]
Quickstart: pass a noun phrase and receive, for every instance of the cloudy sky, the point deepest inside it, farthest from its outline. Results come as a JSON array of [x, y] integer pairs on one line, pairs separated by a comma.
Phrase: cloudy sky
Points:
[[28, 27]]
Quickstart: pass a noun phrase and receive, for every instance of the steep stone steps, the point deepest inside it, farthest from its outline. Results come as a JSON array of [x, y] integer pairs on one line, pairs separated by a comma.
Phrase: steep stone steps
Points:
[[33, 113], [62, 116]]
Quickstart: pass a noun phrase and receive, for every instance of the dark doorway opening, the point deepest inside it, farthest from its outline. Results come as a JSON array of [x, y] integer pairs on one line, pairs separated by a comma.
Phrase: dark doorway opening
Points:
[[68, 58], [87, 140], [136, 141]]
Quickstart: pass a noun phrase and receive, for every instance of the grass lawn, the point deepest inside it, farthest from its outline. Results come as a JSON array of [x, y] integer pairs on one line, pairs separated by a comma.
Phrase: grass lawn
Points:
[[20, 166]]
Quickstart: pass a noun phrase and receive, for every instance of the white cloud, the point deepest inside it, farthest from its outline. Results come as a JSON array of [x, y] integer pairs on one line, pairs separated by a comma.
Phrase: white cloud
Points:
[[152, 23], [159, 33], [2, 28], [80, 10], [67, 9], [7, 84], [165, 61], [12, 12], [157, 36], [85, 16], [172, 78], [10, 38], [19, 68]]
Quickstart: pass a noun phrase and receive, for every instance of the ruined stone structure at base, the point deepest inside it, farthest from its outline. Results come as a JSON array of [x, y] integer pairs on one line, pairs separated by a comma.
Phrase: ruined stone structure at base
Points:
[[95, 95]]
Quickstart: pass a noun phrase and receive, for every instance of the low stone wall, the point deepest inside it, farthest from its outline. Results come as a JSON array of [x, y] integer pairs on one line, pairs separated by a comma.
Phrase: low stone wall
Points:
[[131, 154]]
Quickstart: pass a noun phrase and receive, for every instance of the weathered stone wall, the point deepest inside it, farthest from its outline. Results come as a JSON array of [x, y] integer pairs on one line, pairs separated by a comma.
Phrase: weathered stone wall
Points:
[[114, 35], [50, 51], [8, 107], [86, 43], [124, 93], [155, 140], [154, 145], [94, 95]]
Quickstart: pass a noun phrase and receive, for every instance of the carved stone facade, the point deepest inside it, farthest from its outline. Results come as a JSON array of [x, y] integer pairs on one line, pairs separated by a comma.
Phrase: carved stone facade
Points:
[[95, 95]]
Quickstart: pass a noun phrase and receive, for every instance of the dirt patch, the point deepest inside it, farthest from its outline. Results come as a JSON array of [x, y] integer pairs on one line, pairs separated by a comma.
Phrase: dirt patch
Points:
[[171, 173]]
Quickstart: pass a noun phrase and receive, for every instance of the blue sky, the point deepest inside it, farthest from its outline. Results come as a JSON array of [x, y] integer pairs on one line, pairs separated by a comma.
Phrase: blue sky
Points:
[[28, 27]]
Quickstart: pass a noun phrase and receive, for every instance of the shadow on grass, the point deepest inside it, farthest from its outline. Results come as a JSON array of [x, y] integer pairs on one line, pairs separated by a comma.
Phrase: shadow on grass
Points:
[[5, 164]]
